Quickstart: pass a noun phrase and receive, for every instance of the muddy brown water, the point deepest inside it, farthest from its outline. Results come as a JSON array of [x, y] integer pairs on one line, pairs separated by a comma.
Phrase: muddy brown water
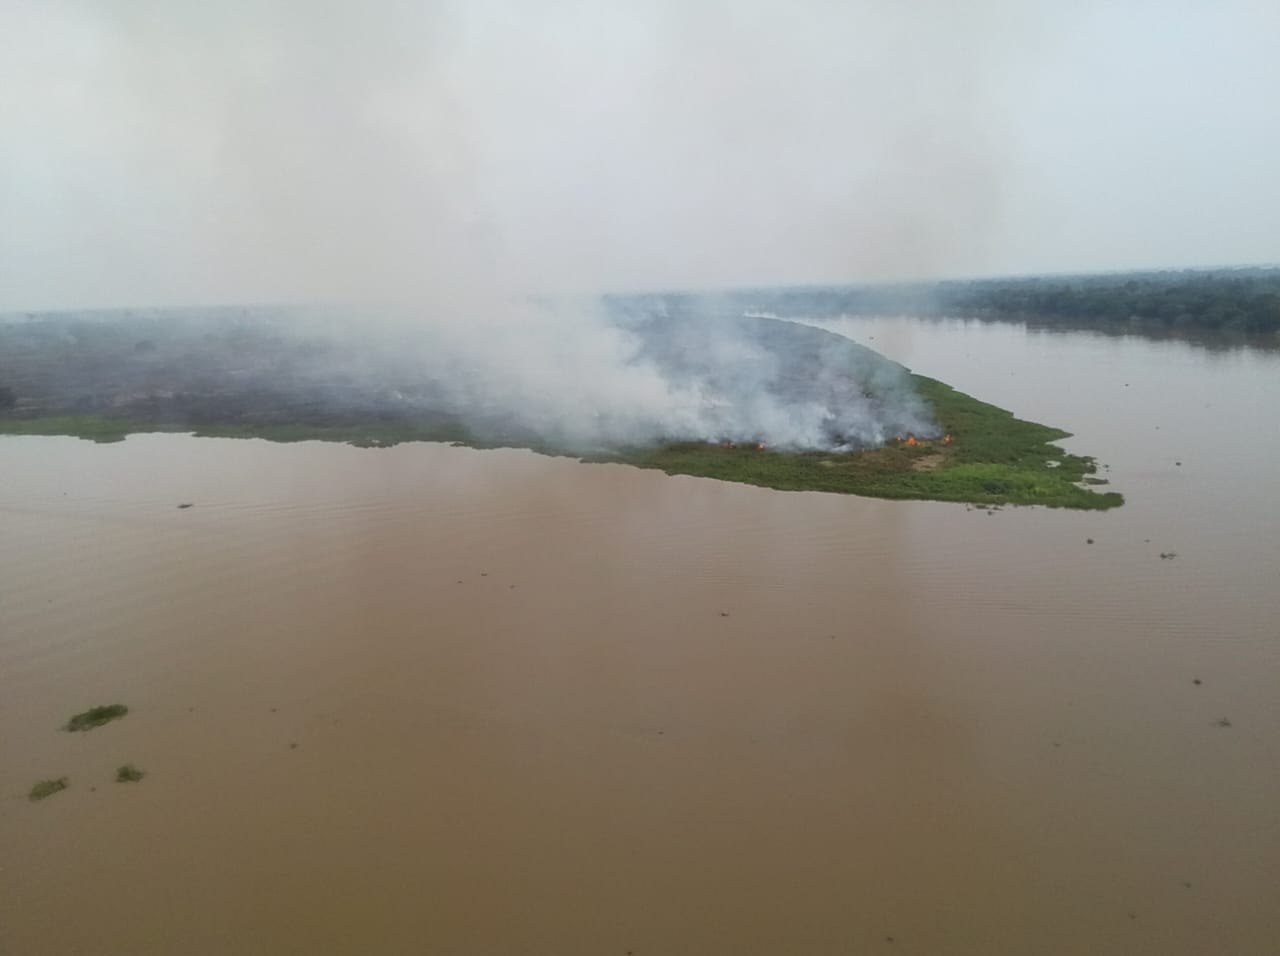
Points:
[[525, 724]]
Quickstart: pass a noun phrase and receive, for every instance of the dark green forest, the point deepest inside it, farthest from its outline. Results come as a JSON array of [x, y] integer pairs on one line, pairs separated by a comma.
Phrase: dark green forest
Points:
[[1238, 301]]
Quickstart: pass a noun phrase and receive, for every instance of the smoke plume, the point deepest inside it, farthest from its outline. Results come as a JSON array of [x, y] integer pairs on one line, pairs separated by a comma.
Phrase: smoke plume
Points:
[[467, 176]]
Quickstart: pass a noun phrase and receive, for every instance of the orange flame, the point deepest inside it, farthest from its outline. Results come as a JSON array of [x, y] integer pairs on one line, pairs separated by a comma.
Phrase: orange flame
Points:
[[911, 440]]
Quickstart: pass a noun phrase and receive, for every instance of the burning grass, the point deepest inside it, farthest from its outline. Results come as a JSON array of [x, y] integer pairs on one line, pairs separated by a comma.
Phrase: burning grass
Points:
[[992, 458]]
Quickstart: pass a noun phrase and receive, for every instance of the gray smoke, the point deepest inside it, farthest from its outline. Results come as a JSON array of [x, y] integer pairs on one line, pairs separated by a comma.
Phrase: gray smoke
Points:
[[588, 375], [287, 150], [447, 160]]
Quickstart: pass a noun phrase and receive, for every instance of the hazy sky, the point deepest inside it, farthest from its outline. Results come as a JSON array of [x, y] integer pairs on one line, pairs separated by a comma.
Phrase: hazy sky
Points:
[[188, 151]]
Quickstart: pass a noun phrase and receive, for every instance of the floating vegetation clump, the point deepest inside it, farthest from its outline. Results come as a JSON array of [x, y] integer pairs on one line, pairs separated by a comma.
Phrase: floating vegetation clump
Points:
[[47, 788], [96, 717], [128, 773]]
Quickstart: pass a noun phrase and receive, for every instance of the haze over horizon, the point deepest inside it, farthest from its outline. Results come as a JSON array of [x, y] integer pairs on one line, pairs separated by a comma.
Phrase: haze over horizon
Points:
[[457, 153]]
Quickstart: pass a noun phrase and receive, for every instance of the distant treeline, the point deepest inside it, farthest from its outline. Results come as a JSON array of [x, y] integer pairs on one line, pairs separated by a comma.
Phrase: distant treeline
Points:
[[1228, 300]]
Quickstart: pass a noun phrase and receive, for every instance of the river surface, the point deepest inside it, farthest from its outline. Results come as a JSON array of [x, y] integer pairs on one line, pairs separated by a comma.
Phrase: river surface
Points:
[[436, 700]]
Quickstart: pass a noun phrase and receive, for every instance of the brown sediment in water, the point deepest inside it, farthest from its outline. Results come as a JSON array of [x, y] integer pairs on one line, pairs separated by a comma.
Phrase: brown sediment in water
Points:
[[1003, 751]]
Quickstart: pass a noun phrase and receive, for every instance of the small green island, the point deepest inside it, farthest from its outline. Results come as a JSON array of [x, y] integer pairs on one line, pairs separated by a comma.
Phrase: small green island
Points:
[[145, 374]]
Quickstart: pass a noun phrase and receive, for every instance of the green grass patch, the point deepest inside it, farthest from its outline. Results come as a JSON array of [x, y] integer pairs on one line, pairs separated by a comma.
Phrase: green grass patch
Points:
[[47, 788], [371, 434], [96, 717], [89, 427], [128, 773], [374, 434]]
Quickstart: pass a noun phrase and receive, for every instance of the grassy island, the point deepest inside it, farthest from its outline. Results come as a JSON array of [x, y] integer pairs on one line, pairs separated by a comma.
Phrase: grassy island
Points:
[[992, 458], [104, 378]]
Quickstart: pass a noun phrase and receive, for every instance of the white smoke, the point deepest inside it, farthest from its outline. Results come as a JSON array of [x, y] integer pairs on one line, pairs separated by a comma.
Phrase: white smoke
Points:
[[445, 160], [573, 375]]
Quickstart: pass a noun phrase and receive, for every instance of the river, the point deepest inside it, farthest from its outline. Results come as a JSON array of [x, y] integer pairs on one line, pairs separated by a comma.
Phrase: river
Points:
[[436, 700]]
